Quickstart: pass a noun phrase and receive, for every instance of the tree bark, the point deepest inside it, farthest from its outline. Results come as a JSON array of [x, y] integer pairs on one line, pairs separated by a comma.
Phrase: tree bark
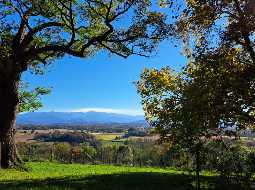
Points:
[[8, 110]]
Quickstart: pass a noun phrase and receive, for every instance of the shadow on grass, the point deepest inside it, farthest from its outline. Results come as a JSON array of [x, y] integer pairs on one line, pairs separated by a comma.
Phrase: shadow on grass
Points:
[[127, 181]]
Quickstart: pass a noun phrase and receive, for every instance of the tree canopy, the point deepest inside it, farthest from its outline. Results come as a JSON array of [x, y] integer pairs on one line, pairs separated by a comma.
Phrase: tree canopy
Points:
[[221, 35], [38, 31], [206, 25], [219, 38]]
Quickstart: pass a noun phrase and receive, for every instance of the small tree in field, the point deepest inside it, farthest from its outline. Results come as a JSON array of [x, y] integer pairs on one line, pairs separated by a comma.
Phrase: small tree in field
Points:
[[177, 110], [35, 32]]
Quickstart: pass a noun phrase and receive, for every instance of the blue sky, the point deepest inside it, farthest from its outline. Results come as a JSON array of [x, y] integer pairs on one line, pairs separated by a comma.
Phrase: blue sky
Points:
[[102, 82]]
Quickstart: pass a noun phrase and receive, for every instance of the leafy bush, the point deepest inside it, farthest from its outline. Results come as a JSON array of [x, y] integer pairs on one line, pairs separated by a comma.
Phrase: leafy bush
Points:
[[62, 152], [234, 163]]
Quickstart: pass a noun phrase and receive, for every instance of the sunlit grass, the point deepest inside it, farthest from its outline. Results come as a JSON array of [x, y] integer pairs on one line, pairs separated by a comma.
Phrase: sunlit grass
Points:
[[45, 170], [56, 176], [107, 136]]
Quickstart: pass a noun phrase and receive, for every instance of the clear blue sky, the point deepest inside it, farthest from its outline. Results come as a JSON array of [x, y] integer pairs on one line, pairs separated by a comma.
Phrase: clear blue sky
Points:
[[103, 82]]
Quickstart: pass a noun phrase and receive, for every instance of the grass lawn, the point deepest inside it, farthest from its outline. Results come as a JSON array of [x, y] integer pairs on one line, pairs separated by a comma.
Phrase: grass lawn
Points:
[[53, 176]]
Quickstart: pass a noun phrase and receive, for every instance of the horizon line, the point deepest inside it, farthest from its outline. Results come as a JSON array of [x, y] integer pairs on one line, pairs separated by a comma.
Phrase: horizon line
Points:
[[131, 112]]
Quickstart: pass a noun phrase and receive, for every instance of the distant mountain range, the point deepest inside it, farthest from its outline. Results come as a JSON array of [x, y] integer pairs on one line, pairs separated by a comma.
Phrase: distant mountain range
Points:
[[76, 118]]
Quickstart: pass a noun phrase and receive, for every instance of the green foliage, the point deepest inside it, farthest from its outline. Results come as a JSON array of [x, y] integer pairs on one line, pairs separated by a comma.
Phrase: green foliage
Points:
[[124, 155], [233, 162], [130, 153], [219, 42], [89, 151], [171, 106], [62, 152], [34, 32], [178, 111], [225, 87], [206, 25], [30, 100]]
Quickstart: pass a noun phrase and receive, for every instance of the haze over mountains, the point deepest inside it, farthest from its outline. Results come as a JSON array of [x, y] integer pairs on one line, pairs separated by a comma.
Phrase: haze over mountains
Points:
[[76, 118]]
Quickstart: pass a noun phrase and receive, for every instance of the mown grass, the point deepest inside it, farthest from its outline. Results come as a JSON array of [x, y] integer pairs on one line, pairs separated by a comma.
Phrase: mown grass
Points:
[[46, 170], [54, 176], [107, 136]]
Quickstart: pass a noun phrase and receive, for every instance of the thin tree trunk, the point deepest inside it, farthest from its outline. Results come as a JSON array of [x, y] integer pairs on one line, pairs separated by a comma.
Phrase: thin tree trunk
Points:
[[198, 168], [8, 109]]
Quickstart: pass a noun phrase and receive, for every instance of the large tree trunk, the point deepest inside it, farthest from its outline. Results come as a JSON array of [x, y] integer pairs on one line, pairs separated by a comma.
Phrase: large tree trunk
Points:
[[8, 109]]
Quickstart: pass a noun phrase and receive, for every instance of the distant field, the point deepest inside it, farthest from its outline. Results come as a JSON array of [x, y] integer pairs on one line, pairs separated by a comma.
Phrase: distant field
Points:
[[107, 136], [52, 176], [27, 135], [22, 136]]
